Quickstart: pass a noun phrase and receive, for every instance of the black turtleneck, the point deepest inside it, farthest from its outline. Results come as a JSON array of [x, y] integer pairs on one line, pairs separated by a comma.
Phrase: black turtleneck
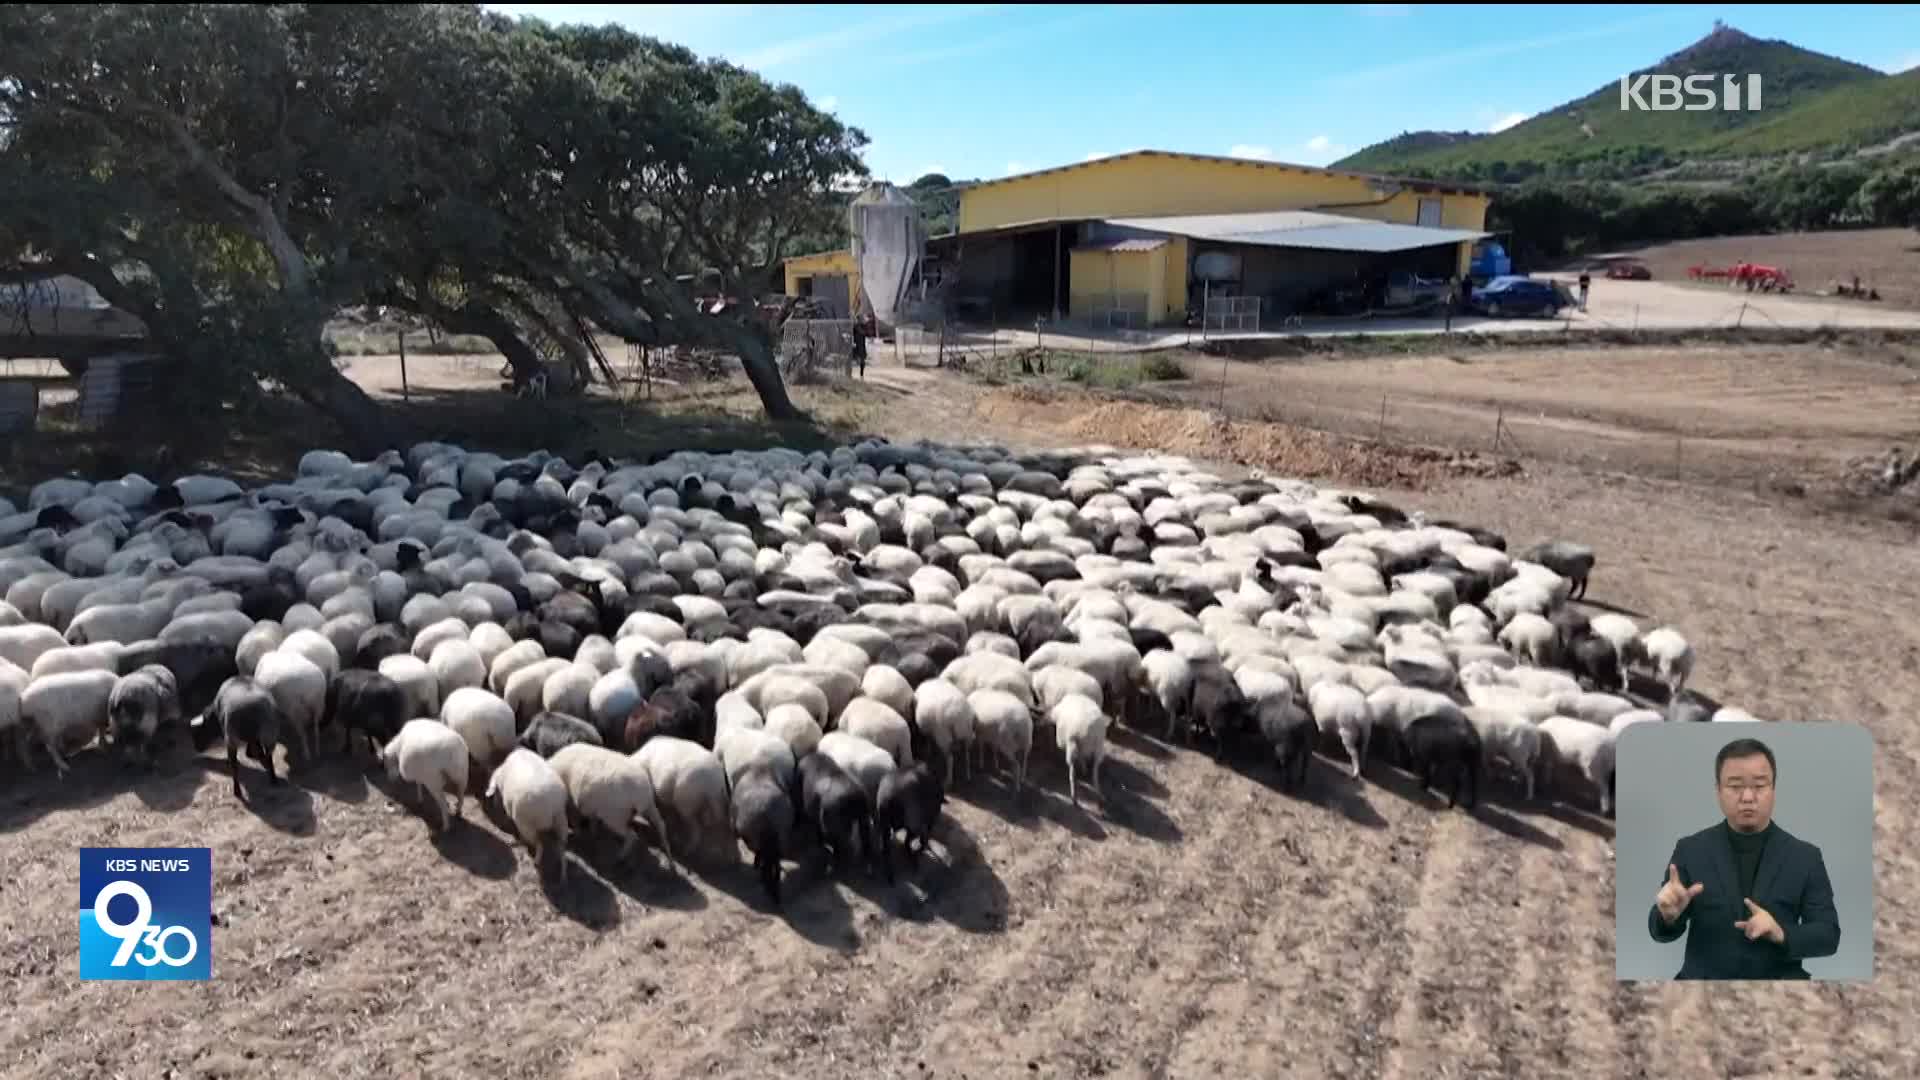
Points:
[[1747, 851]]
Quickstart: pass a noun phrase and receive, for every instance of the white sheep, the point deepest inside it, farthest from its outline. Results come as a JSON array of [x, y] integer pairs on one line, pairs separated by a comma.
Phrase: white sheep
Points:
[[570, 690], [433, 635], [416, 680], [527, 687], [610, 789], [1625, 720], [299, 690], [483, 721], [740, 749], [456, 664], [1505, 734], [1588, 747], [796, 727], [535, 799], [879, 724], [1003, 724], [1342, 711], [67, 711], [1529, 637], [689, 786], [1080, 731], [502, 667], [1731, 715], [433, 758], [1052, 685], [102, 657], [887, 686], [944, 716], [265, 637], [1168, 678], [13, 683], [865, 762], [1671, 658]]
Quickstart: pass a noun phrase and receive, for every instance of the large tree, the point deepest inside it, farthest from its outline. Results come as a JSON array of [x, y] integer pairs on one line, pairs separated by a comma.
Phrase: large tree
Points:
[[236, 174]]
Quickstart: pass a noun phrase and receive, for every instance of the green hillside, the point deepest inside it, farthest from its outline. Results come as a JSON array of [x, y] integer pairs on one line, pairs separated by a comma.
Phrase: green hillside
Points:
[[1811, 103]]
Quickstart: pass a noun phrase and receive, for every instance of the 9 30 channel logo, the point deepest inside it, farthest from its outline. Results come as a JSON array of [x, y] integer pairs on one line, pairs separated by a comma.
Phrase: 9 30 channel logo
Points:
[[146, 914]]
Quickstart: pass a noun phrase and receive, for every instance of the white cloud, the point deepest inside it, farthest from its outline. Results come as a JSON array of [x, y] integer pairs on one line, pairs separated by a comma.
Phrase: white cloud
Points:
[[860, 32], [1322, 150], [829, 103], [1256, 153], [1386, 10], [1014, 168], [1443, 61], [1507, 121]]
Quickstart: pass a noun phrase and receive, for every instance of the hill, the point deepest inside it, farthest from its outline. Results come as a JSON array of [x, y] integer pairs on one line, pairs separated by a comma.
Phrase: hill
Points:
[[1813, 105]]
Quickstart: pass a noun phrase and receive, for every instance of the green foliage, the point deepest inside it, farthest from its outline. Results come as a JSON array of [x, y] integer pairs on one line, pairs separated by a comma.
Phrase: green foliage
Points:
[[1162, 367], [1892, 196], [1812, 104], [234, 174]]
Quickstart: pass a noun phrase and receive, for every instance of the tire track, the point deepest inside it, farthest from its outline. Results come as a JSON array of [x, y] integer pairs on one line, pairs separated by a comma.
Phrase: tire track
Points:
[[1448, 999], [1003, 1019]]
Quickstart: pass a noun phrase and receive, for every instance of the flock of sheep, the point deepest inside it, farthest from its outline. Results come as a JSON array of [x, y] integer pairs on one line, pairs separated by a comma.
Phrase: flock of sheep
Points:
[[779, 648]]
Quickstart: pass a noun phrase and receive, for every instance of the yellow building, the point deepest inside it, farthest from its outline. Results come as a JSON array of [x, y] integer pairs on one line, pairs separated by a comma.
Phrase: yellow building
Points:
[[1140, 238], [829, 276]]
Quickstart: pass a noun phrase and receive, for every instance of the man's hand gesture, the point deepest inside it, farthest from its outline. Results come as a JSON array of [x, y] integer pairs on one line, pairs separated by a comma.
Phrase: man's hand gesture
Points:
[[1674, 897], [1759, 924]]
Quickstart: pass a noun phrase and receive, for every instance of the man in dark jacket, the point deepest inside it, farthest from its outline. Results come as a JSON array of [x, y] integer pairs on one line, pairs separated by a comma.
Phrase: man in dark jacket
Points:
[[1752, 899]]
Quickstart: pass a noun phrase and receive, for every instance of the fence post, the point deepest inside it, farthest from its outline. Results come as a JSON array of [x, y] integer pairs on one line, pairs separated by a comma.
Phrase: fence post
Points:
[[1381, 434], [1499, 424], [406, 395], [1742, 316]]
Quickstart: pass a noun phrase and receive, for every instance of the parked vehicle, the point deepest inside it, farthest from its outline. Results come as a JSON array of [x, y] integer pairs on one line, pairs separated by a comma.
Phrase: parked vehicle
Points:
[[1489, 261], [1405, 289], [1504, 296], [1629, 270]]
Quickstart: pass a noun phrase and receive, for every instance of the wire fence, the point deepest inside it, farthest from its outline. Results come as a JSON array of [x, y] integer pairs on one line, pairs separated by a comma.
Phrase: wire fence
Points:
[[1396, 437]]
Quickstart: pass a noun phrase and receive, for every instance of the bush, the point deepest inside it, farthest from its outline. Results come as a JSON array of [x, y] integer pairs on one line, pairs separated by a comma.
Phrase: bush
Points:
[[1162, 367]]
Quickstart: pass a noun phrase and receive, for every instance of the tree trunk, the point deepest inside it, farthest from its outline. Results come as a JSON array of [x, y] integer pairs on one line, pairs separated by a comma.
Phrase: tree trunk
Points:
[[369, 426], [764, 372]]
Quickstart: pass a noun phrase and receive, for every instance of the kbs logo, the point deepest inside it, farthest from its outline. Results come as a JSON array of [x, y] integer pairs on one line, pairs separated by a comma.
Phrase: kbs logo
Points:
[[146, 913], [1665, 93]]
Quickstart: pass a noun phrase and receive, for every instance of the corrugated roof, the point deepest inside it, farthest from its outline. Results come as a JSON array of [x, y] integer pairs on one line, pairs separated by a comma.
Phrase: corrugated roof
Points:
[[1301, 229], [1409, 182], [1147, 243]]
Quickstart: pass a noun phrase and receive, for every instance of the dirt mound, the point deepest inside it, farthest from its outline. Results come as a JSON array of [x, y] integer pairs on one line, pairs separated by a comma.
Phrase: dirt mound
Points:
[[1891, 473], [1277, 448]]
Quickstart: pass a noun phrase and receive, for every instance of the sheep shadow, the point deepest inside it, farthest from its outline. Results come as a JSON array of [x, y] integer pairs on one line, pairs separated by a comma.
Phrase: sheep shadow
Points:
[[342, 779], [1579, 818], [168, 785], [956, 884], [475, 850], [643, 877], [1496, 817], [1139, 741], [1330, 787], [811, 903], [581, 895], [1036, 801], [1404, 783], [1123, 774], [1602, 605], [93, 779]]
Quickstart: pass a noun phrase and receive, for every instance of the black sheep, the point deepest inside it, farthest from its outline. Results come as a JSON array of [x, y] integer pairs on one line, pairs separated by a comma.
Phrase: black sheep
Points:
[[559, 640], [367, 702], [910, 802], [1445, 746], [917, 668], [1595, 660], [271, 599], [377, 643], [551, 732], [243, 713], [1145, 640], [1290, 731], [199, 668], [1217, 706], [763, 818], [837, 811]]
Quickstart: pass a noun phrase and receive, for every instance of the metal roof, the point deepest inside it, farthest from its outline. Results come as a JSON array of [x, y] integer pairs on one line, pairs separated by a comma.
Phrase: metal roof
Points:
[[1402, 181], [1300, 229], [1149, 243]]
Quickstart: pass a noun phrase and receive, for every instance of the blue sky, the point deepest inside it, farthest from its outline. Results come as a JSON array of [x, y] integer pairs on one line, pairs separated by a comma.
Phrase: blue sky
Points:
[[984, 90]]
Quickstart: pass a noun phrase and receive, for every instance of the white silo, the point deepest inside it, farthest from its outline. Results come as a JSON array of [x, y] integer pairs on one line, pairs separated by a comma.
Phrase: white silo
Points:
[[888, 240]]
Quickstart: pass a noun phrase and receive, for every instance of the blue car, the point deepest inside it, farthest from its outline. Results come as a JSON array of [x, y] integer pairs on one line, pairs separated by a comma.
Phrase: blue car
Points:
[[1504, 296]]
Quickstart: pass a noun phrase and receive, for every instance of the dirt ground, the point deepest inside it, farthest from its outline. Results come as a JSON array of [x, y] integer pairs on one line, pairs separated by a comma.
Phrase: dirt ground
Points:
[[1766, 418], [1887, 259], [1194, 923]]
